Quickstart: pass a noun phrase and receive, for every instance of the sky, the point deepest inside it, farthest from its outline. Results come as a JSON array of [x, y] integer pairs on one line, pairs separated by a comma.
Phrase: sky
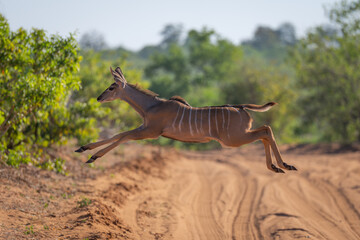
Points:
[[135, 23]]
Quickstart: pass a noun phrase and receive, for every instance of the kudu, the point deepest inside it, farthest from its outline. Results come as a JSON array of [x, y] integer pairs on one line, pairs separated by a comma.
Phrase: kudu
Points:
[[230, 125]]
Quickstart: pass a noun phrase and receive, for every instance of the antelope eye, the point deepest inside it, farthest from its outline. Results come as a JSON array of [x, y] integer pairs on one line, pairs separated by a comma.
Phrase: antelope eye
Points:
[[111, 88]]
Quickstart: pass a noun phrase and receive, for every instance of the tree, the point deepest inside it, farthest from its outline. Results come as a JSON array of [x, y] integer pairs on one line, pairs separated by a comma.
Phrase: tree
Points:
[[345, 15], [171, 34], [204, 60], [169, 72], [147, 51], [92, 40], [210, 56], [272, 44], [327, 64], [286, 33], [37, 75], [265, 37]]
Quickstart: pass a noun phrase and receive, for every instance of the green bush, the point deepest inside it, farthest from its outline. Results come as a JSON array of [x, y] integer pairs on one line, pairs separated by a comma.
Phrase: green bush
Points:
[[37, 75], [327, 64]]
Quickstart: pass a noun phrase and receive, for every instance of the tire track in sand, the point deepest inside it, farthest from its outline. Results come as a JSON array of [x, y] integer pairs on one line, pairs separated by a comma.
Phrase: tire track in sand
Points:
[[211, 192], [205, 199], [223, 201], [243, 226]]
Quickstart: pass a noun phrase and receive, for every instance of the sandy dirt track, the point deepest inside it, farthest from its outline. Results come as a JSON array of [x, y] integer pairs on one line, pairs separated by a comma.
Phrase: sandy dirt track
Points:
[[146, 192]]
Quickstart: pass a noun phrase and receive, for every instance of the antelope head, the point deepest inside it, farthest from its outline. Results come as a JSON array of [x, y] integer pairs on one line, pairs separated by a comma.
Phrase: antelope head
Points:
[[116, 89]]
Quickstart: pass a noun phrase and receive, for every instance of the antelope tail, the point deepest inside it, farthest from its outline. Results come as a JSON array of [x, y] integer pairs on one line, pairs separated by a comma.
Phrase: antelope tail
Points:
[[256, 108]]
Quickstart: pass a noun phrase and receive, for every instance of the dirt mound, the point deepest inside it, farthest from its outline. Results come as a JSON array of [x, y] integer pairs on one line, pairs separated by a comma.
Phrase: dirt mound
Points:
[[96, 220], [40, 204]]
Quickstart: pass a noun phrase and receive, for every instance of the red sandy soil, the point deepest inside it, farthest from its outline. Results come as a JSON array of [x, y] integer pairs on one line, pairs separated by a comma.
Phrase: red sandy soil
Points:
[[148, 192]]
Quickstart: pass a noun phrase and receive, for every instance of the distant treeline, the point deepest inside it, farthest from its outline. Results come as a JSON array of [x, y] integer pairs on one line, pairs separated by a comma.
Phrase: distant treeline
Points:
[[48, 84]]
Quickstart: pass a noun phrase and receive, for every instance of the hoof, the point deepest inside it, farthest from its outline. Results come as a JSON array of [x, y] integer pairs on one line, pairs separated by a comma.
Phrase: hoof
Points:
[[92, 159], [81, 149], [275, 169], [289, 167]]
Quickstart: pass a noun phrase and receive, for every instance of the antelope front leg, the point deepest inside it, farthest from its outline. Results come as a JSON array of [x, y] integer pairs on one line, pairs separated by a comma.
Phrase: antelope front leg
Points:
[[100, 143], [136, 134]]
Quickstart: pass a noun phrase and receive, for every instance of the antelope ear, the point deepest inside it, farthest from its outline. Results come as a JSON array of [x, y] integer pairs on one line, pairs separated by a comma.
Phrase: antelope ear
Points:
[[118, 76]]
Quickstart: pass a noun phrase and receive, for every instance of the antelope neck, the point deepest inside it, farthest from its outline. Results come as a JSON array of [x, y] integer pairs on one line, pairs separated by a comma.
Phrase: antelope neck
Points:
[[138, 100]]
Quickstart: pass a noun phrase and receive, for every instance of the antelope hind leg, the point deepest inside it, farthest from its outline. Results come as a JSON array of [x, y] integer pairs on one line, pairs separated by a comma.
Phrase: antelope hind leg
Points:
[[269, 163], [265, 134], [262, 134], [276, 150]]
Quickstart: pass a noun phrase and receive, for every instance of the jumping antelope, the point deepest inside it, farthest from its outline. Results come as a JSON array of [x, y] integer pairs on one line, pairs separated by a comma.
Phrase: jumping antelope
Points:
[[230, 125]]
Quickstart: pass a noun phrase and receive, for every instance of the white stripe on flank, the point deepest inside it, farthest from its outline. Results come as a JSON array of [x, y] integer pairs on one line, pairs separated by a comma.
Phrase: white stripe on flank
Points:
[[182, 116], [217, 129], [201, 121], [190, 122], [197, 130], [209, 122], [239, 114], [223, 121], [173, 124], [228, 122]]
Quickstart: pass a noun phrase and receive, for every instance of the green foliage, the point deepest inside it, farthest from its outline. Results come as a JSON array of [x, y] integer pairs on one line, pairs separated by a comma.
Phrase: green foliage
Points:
[[37, 76], [29, 230], [15, 157], [271, 44], [345, 14], [22, 155], [37, 73], [58, 165], [203, 61], [83, 202], [327, 63], [169, 72], [210, 56], [82, 120], [66, 196]]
